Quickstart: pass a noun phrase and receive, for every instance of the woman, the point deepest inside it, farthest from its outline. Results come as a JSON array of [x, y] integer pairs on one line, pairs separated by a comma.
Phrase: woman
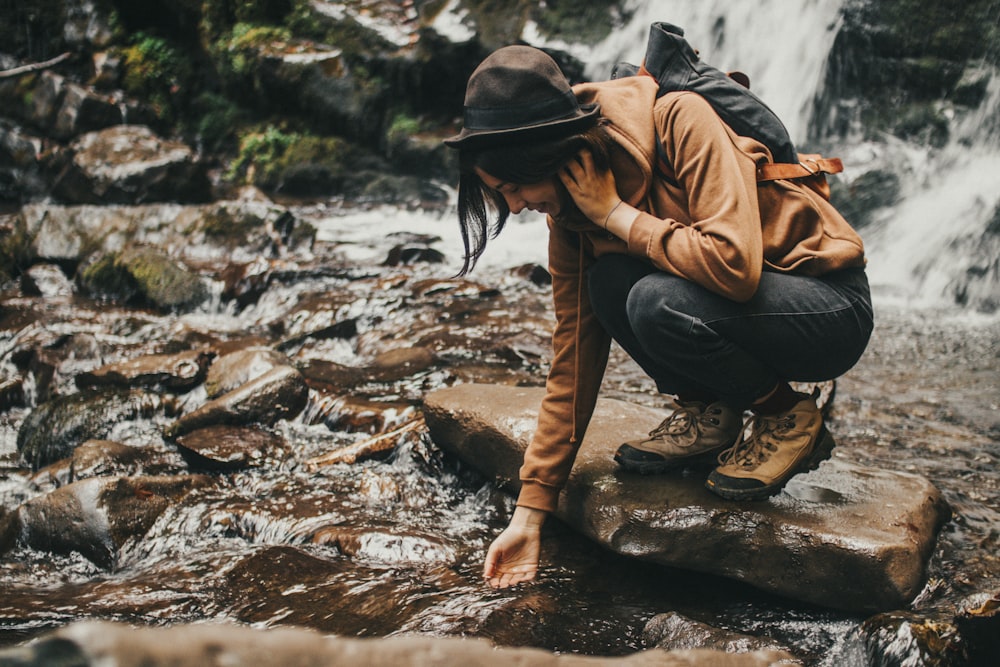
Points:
[[721, 289]]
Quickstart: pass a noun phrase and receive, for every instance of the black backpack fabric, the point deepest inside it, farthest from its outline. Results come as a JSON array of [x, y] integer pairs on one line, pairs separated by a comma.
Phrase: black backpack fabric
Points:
[[675, 66]]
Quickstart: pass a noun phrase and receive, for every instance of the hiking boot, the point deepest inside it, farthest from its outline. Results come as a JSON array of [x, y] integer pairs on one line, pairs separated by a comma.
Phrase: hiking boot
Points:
[[778, 447], [694, 433]]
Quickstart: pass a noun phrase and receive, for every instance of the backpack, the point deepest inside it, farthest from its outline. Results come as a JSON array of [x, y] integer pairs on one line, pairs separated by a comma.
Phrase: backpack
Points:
[[675, 65]]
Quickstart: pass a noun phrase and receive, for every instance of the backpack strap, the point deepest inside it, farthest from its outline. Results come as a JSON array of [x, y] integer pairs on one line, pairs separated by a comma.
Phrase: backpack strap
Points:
[[808, 165]]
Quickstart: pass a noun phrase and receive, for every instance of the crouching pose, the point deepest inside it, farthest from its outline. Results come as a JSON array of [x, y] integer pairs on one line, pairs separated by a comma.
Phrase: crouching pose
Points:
[[721, 288]]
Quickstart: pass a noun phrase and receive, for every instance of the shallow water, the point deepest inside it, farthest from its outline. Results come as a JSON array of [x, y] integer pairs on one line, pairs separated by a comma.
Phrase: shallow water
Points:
[[395, 545]]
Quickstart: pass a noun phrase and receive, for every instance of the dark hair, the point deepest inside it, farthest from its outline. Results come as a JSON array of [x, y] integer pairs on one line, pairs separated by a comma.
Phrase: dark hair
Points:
[[522, 164]]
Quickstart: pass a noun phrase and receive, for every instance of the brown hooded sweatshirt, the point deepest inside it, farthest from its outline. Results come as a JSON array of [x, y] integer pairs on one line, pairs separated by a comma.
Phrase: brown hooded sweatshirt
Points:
[[716, 227]]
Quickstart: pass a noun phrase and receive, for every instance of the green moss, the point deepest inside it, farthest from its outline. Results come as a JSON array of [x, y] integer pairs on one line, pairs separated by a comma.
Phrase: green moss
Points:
[[105, 279], [157, 71], [577, 22], [265, 157], [402, 127], [259, 152], [215, 121], [346, 34]]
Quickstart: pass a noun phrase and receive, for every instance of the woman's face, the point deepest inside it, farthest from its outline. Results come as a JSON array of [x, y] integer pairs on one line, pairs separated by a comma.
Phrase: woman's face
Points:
[[546, 197]]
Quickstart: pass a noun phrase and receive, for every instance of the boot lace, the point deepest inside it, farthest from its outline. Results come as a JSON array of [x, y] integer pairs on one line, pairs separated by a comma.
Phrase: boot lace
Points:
[[766, 432], [680, 425]]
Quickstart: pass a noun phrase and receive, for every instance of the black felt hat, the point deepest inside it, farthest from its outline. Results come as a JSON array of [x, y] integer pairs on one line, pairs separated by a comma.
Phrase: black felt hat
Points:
[[518, 94]]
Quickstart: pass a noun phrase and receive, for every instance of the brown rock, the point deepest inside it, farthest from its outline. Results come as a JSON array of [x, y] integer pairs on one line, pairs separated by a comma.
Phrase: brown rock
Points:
[[843, 536]]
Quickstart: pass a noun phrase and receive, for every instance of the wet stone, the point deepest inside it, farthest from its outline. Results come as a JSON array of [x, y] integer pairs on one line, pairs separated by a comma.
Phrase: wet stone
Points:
[[228, 447], [280, 393], [673, 631], [11, 392], [389, 366], [343, 329], [979, 623], [94, 458], [164, 282], [46, 280], [878, 525], [94, 643], [95, 517], [234, 369], [129, 164], [534, 273], [54, 429], [413, 254], [173, 372]]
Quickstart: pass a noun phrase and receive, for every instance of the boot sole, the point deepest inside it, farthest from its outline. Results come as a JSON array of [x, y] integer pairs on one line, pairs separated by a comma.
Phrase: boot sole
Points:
[[666, 465], [821, 452]]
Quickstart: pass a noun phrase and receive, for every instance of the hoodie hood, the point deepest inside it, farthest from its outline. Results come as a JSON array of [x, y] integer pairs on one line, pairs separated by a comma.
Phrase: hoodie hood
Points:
[[627, 114]]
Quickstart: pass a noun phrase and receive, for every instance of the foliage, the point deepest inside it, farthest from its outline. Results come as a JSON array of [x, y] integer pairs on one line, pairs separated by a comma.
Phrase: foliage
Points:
[[578, 22], [346, 33], [215, 121], [402, 127], [157, 71], [243, 43], [265, 157]]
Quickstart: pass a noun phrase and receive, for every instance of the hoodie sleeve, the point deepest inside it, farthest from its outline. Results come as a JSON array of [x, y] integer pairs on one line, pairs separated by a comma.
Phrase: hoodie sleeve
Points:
[[580, 349], [721, 246]]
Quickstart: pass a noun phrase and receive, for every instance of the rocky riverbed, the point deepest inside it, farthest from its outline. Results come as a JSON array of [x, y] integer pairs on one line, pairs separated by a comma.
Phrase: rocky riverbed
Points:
[[320, 500]]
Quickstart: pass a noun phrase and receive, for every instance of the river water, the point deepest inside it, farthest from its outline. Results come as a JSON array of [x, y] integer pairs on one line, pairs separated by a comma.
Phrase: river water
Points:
[[411, 530]]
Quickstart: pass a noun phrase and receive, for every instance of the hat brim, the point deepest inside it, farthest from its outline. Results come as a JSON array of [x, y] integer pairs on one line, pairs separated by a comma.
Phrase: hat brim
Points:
[[587, 116]]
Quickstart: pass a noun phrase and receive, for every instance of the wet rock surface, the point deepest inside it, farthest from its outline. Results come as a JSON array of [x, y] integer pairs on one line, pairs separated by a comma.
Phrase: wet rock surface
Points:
[[54, 429], [228, 447], [878, 525], [97, 516], [92, 644], [130, 164]]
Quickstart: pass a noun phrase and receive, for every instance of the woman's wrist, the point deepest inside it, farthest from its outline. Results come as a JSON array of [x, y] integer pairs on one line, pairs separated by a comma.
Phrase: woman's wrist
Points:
[[620, 218], [528, 517]]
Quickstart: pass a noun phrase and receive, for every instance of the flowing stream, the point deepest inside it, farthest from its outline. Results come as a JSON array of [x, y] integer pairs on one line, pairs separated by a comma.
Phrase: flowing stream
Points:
[[411, 529]]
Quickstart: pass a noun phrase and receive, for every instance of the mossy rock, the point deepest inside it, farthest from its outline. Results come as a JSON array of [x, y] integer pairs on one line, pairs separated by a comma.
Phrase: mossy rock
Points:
[[144, 275]]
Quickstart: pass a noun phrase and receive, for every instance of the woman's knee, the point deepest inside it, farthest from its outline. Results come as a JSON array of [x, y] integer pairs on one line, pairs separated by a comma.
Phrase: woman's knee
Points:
[[610, 280], [652, 311]]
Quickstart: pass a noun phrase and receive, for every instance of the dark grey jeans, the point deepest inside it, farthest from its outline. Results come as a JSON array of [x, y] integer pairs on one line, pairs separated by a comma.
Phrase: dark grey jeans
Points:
[[691, 341]]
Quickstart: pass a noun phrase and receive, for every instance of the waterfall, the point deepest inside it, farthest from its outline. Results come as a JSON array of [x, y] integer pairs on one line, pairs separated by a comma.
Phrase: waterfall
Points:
[[939, 242], [782, 45]]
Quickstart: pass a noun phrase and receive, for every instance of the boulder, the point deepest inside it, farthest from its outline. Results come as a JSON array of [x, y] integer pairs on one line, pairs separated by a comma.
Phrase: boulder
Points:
[[234, 369], [94, 458], [54, 429], [147, 274], [95, 517], [92, 643], [174, 372], [226, 448], [280, 393], [843, 536], [130, 164], [673, 631]]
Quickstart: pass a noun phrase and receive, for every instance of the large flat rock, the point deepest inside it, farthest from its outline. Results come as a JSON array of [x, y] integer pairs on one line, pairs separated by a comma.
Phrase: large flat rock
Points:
[[843, 536]]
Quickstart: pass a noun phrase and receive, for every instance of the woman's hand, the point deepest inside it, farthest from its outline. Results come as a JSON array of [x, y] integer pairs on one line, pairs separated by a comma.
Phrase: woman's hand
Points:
[[594, 193], [513, 556]]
